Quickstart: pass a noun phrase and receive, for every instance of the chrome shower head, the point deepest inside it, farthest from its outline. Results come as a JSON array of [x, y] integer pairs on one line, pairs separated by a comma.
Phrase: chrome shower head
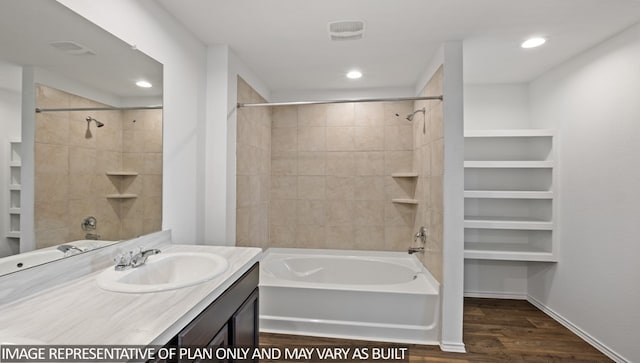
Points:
[[412, 115], [98, 123]]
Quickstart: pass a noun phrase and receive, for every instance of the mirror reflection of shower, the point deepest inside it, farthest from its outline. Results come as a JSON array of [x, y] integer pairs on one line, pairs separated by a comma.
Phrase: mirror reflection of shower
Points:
[[413, 114], [87, 134]]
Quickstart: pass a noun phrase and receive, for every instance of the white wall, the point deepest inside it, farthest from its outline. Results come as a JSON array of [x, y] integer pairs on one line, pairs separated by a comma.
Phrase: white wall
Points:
[[223, 69], [496, 106], [593, 102], [10, 102], [153, 31]]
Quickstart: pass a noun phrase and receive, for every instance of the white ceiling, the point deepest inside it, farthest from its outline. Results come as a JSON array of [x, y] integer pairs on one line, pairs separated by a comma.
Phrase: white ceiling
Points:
[[285, 42], [27, 28]]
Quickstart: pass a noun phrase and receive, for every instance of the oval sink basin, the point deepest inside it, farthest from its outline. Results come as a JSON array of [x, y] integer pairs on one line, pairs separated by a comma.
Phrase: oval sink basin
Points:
[[165, 271]]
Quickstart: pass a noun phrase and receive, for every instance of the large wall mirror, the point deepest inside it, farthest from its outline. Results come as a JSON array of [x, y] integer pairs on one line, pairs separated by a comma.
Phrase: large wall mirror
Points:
[[93, 136]]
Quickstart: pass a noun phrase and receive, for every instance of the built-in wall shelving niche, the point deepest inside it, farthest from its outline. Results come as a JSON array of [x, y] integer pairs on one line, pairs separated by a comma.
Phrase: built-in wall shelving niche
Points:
[[14, 188], [509, 196], [405, 175], [405, 201], [122, 196], [122, 173]]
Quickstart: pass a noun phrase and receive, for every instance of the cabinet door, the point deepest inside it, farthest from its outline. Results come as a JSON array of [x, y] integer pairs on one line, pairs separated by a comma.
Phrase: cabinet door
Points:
[[244, 323], [220, 340]]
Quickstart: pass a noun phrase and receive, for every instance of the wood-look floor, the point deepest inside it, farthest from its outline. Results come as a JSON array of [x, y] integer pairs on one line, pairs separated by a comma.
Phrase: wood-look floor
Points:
[[495, 330]]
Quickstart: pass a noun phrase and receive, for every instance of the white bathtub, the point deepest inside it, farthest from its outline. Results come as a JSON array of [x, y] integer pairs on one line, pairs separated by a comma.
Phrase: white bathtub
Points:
[[381, 296]]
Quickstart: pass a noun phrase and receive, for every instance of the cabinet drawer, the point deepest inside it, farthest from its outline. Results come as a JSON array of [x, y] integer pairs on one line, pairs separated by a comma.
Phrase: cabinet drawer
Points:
[[204, 327]]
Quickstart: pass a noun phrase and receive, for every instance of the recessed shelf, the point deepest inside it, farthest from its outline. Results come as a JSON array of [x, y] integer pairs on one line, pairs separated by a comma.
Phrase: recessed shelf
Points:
[[507, 223], [506, 251], [14, 210], [509, 164], [122, 196], [15, 164], [15, 187], [122, 173], [405, 201], [13, 234], [508, 194], [510, 133], [405, 175]]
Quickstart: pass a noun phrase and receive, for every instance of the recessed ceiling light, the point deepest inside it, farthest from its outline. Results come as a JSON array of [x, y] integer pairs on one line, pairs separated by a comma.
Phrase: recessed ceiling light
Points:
[[143, 84], [354, 74], [533, 42]]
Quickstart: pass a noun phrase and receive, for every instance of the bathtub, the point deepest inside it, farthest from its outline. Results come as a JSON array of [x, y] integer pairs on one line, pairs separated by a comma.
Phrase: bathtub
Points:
[[379, 296]]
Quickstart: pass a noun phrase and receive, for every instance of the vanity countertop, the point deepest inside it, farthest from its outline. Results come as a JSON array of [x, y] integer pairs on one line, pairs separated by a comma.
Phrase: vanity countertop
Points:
[[80, 313]]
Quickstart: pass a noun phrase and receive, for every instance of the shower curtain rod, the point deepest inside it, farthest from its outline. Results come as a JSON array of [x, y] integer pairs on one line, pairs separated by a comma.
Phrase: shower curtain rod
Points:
[[39, 110], [303, 103]]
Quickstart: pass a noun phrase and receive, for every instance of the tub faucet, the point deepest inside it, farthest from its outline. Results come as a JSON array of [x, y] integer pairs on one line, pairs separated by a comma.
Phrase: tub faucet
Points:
[[130, 259], [413, 250]]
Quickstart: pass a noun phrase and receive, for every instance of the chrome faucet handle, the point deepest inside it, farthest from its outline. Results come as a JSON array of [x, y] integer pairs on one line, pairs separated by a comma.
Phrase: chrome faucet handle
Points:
[[140, 257], [123, 260], [422, 234]]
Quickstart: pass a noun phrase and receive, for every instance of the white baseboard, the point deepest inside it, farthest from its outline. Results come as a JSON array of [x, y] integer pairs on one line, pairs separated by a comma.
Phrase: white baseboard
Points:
[[495, 295], [577, 331], [452, 347]]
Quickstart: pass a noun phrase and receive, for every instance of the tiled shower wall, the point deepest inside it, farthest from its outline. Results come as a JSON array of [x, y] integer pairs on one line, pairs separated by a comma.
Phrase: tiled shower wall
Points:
[[71, 161], [331, 184], [428, 161], [253, 169]]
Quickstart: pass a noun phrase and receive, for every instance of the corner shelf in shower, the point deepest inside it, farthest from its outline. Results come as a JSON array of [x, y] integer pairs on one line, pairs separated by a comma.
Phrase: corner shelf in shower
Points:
[[405, 201], [405, 175], [122, 173], [122, 196], [510, 172]]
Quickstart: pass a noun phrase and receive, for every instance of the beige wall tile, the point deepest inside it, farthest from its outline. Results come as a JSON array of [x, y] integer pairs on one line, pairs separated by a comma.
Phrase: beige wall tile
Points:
[[397, 238], [52, 128], [284, 187], [285, 116], [51, 237], [152, 163], [47, 97], [340, 163], [104, 161], [400, 188], [369, 188], [50, 215], [340, 212], [311, 236], [283, 236], [340, 187], [151, 225], [284, 163], [312, 163], [369, 138], [312, 212], [340, 237], [398, 214], [398, 137], [152, 207], [312, 115], [82, 160], [370, 114], [402, 109], [340, 138], [133, 141], [51, 159], [369, 212], [369, 163], [369, 237], [283, 212], [311, 187], [78, 133], [436, 193], [136, 162], [284, 139], [437, 157], [397, 161], [51, 187], [340, 114], [310, 138]]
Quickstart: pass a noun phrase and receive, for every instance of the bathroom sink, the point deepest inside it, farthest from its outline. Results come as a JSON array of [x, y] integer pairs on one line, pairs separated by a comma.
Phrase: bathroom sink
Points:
[[165, 271]]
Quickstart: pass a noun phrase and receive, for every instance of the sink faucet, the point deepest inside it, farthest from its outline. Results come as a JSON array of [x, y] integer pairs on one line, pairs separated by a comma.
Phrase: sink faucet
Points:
[[129, 259]]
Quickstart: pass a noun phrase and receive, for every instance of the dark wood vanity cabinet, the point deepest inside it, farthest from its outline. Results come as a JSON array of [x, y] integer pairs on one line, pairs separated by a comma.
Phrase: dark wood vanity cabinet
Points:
[[230, 321]]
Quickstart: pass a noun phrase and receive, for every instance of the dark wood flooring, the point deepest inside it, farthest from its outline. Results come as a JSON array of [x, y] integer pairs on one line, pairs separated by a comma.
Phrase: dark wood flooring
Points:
[[495, 330]]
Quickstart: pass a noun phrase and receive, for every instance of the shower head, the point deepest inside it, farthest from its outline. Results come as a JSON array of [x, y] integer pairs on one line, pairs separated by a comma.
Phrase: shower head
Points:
[[412, 115], [98, 123]]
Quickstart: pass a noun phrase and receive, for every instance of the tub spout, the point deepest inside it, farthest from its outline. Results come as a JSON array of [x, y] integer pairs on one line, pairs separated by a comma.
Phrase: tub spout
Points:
[[413, 250]]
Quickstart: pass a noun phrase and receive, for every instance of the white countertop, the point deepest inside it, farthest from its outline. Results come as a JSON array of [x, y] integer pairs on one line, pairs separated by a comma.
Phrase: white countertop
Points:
[[80, 313]]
